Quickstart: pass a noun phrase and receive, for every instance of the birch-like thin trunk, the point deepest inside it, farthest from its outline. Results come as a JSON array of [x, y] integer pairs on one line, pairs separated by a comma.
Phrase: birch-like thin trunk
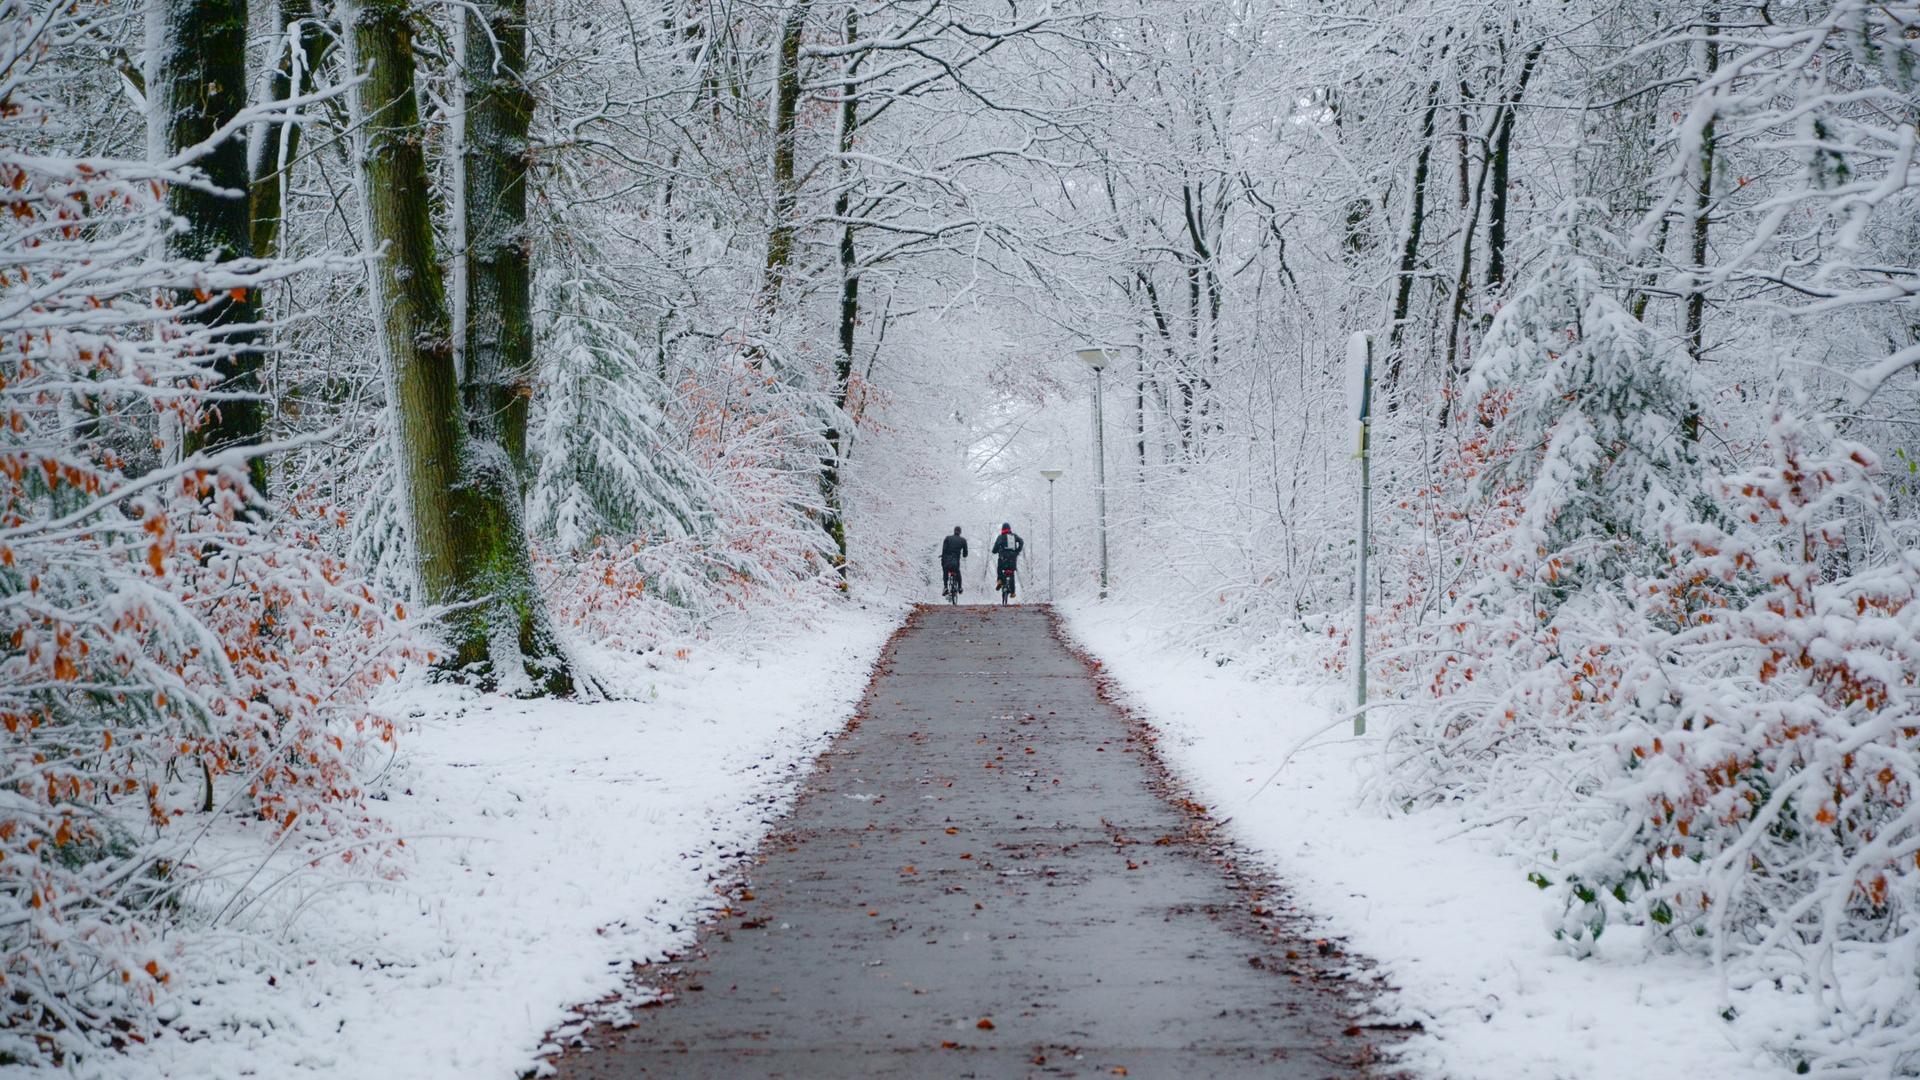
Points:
[[834, 498], [1701, 213], [301, 52]]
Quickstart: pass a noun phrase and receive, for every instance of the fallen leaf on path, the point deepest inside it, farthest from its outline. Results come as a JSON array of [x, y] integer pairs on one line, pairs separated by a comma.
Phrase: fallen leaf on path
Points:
[[984, 1024]]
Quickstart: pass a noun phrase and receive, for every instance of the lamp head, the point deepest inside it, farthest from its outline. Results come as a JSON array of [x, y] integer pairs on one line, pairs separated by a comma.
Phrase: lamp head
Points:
[[1051, 474], [1095, 357]]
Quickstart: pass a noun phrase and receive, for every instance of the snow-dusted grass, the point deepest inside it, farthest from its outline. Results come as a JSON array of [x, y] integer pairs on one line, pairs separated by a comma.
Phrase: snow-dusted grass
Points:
[[549, 846], [1438, 902]]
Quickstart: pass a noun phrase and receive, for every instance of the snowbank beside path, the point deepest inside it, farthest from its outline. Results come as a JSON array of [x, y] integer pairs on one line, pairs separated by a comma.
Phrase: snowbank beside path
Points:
[[1451, 920], [549, 846]]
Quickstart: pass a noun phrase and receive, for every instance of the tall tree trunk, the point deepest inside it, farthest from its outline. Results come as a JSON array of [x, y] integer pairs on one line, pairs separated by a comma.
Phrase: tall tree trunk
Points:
[[835, 520], [1463, 280], [498, 355], [786, 191], [1410, 248], [1355, 242], [1652, 278], [463, 510], [1140, 409], [1190, 358], [498, 375], [1502, 164], [1195, 211], [201, 78], [273, 162], [1701, 215], [1496, 164], [1164, 328]]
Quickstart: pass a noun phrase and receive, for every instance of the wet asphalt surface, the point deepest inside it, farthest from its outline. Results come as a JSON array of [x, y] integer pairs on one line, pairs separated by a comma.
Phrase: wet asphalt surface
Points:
[[988, 875]]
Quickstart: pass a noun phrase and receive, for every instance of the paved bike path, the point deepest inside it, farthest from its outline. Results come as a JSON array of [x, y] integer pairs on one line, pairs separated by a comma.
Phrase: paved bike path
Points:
[[984, 878]]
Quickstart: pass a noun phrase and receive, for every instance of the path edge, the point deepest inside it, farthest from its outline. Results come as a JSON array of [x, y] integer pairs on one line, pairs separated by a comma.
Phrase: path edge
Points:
[[659, 981], [1352, 978]]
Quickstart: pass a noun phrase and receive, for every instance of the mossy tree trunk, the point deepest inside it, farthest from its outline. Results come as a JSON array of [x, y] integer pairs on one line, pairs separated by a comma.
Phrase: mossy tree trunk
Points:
[[499, 332], [201, 79], [786, 182], [462, 495], [499, 376]]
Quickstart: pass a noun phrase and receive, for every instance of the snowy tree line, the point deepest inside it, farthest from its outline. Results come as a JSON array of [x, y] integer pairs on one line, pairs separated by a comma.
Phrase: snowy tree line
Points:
[[1641, 283], [504, 339]]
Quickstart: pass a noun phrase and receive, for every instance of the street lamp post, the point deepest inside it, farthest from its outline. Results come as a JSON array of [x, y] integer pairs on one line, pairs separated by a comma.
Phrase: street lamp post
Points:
[[1098, 357], [1051, 475]]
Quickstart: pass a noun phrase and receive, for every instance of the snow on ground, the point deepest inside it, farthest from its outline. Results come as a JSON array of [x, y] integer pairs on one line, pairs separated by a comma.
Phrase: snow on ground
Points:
[[1451, 919], [550, 845]]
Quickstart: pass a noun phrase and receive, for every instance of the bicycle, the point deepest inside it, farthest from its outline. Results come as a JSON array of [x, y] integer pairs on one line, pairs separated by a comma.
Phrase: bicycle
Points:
[[1005, 585], [951, 590]]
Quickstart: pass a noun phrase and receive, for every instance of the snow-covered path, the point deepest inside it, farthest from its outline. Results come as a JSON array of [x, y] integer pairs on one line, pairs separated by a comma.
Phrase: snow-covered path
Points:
[[553, 846], [985, 877]]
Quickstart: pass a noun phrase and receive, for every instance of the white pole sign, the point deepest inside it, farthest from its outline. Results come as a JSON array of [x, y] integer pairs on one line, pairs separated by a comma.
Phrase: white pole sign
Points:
[[1360, 400]]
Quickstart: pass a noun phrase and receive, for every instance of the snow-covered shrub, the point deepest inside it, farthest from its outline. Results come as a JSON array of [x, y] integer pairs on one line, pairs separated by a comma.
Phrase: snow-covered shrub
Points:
[[1763, 775], [171, 650], [1584, 466], [1694, 694]]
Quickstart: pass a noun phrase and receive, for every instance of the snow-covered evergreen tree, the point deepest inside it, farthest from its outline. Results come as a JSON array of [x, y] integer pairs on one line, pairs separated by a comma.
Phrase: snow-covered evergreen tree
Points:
[[1602, 419], [607, 463]]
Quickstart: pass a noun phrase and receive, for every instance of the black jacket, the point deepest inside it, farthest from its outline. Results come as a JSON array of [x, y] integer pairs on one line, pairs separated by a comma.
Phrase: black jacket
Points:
[[952, 550], [1008, 547]]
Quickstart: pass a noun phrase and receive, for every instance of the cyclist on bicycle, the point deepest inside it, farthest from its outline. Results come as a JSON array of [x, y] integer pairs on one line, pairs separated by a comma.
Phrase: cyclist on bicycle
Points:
[[952, 550], [1008, 547]]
